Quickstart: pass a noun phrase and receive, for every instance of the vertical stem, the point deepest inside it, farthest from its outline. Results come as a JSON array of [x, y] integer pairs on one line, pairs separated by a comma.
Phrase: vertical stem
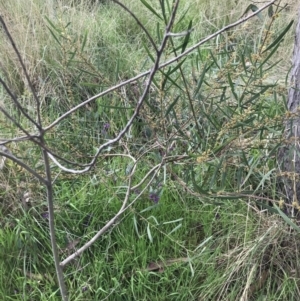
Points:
[[58, 268]]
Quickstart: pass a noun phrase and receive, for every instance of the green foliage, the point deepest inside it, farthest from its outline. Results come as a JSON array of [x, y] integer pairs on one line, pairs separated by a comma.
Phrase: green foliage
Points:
[[222, 108], [215, 120]]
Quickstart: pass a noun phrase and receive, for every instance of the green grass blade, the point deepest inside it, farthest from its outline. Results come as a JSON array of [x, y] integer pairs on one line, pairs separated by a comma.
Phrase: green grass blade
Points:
[[148, 52], [136, 226], [175, 229], [286, 218], [147, 5], [175, 221], [84, 41], [149, 233]]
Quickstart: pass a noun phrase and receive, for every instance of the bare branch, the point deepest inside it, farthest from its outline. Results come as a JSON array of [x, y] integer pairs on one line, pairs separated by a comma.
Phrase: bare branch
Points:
[[106, 227], [139, 103], [8, 116], [59, 272], [47, 182], [25, 166], [163, 65], [39, 124], [35, 140], [180, 34], [123, 208]]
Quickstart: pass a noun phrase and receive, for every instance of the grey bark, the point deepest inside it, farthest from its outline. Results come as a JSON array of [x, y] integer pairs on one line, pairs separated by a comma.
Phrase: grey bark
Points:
[[289, 154]]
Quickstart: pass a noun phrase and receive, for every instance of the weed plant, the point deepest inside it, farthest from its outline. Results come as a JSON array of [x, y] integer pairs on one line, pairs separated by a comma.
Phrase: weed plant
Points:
[[198, 230]]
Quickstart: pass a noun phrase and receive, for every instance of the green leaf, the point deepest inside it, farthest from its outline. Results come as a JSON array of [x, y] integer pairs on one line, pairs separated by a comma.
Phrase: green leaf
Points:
[[219, 147], [117, 69], [73, 206], [136, 226], [175, 221], [171, 106], [69, 23], [271, 67], [154, 218], [84, 41], [201, 79], [187, 37], [270, 11], [54, 36], [149, 208], [149, 233], [265, 206], [279, 38], [183, 15], [224, 179], [90, 73], [203, 243], [148, 52], [196, 186], [158, 33], [191, 268], [214, 59], [163, 9], [256, 95], [269, 56], [146, 4], [253, 8], [168, 5], [213, 120], [232, 87], [286, 218], [72, 55], [170, 80], [53, 26], [214, 178], [265, 177], [171, 71], [175, 229]]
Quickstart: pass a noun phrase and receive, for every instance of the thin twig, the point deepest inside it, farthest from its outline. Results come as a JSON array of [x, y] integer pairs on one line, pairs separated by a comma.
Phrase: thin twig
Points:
[[25, 166], [39, 123], [41, 142], [138, 105], [125, 129], [138, 22], [105, 228], [163, 65]]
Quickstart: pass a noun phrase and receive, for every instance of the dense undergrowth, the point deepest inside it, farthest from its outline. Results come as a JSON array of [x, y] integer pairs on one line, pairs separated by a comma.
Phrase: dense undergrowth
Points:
[[199, 229]]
